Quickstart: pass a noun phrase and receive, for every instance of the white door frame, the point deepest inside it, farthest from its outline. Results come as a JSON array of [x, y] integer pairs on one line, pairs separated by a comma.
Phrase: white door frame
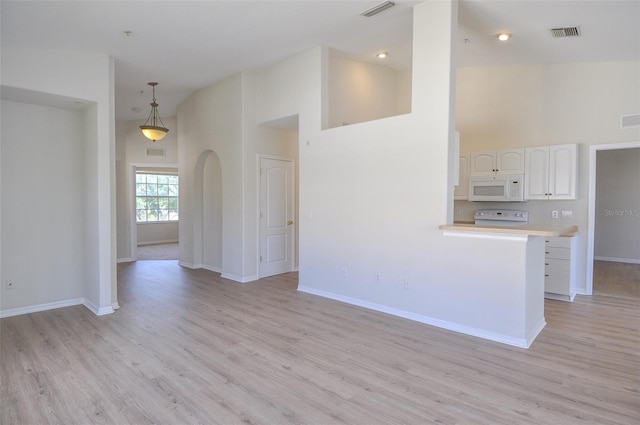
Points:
[[591, 220], [259, 157], [133, 234]]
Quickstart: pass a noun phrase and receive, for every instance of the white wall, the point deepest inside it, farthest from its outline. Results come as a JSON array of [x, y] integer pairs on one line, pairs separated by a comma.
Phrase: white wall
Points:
[[617, 223], [373, 194], [363, 91], [154, 233], [42, 205], [534, 105], [88, 78], [210, 120], [131, 150]]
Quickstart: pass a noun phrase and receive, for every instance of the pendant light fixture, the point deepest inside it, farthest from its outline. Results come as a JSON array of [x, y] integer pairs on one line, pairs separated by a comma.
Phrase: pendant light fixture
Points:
[[153, 128]]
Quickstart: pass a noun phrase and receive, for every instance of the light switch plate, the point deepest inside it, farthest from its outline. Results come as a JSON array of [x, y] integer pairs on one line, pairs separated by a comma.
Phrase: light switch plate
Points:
[[567, 214]]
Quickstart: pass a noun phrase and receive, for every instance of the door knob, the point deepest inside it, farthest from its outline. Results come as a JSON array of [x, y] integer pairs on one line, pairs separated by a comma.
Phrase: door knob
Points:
[[290, 222]]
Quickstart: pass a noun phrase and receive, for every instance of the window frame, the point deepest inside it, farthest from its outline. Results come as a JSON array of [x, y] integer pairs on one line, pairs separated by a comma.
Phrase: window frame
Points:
[[169, 198]]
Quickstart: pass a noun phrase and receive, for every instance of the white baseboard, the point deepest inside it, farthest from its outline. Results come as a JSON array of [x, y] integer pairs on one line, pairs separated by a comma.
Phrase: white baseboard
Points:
[[618, 260], [126, 260], [189, 265], [41, 307], [98, 311], [229, 276], [240, 279], [212, 268], [505, 339]]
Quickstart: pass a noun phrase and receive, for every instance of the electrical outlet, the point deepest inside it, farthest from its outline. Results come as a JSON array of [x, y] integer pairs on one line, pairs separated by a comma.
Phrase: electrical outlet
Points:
[[554, 214], [10, 284]]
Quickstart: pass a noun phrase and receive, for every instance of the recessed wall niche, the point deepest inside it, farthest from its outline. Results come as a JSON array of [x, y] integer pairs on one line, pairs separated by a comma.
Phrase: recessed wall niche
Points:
[[361, 91]]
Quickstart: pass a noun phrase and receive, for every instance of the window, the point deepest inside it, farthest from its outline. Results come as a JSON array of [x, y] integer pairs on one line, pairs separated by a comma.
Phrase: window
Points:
[[156, 197]]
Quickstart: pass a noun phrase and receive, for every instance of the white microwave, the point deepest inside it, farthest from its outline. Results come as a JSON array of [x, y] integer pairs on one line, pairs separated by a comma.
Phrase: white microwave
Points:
[[497, 188]]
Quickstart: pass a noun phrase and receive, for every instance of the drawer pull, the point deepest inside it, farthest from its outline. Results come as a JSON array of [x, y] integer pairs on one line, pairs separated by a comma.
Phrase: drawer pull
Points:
[[546, 275]]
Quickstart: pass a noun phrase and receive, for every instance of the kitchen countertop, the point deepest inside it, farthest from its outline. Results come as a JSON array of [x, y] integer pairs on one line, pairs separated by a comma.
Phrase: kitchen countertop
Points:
[[525, 229]]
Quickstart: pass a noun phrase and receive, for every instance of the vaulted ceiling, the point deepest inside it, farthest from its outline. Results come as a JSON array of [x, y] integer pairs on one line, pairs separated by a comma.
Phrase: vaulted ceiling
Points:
[[188, 45]]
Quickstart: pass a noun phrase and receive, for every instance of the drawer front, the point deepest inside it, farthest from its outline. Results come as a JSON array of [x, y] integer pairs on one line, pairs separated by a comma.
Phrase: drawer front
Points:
[[557, 282], [557, 265], [559, 242], [557, 253]]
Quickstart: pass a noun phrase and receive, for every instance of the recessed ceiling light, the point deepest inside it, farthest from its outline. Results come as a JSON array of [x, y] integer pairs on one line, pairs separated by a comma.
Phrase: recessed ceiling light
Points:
[[382, 55], [503, 36]]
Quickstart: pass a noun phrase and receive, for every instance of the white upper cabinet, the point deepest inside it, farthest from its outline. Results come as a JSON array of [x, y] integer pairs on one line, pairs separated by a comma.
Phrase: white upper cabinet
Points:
[[509, 161], [462, 189], [551, 172]]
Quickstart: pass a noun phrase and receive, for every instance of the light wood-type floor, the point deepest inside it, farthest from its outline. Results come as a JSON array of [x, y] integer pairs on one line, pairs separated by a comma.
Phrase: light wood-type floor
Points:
[[188, 347]]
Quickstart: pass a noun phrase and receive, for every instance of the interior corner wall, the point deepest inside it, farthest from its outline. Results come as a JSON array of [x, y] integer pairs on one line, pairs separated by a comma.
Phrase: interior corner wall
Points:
[[86, 77]]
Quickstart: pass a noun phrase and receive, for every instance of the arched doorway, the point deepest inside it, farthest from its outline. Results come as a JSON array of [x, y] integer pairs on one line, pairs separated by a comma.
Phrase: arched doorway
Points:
[[207, 236]]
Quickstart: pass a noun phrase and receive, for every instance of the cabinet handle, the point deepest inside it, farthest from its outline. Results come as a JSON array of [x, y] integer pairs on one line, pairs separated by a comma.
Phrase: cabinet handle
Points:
[[546, 264], [546, 252], [546, 275]]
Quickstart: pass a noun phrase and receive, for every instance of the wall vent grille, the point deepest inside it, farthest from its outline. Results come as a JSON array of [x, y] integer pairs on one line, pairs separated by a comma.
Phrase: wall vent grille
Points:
[[630, 121], [155, 152], [565, 32]]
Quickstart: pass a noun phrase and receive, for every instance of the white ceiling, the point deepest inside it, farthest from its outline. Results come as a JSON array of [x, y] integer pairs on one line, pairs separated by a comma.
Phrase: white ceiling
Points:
[[188, 45]]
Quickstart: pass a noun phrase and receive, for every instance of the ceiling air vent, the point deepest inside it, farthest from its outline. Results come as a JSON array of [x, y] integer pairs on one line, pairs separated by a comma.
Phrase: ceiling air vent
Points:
[[630, 121], [377, 9], [155, 152], [565, 32]]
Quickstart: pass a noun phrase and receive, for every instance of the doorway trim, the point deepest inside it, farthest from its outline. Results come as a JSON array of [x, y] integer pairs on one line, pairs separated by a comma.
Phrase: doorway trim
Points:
[[133, 225], [260, 157], [591, 218]]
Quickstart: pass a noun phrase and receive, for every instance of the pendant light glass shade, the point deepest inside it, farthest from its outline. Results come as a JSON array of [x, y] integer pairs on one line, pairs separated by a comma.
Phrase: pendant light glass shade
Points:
[[151, 129], [153, 133]]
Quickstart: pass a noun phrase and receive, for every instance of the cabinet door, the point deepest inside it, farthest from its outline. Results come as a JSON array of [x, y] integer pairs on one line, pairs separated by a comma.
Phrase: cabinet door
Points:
[[510, 161], [462, 189], [483, 163], [536, 169], [562, 171]]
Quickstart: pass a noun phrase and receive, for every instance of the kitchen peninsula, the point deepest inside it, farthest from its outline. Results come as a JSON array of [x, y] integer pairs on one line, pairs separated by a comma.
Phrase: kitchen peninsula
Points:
[[506, 267]]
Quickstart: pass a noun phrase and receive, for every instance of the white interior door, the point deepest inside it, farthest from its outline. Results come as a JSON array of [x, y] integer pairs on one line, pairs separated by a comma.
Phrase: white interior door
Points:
[[276, 217]]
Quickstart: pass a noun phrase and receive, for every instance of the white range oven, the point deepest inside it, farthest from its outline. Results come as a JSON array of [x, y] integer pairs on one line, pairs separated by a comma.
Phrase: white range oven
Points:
[[504, 218]]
